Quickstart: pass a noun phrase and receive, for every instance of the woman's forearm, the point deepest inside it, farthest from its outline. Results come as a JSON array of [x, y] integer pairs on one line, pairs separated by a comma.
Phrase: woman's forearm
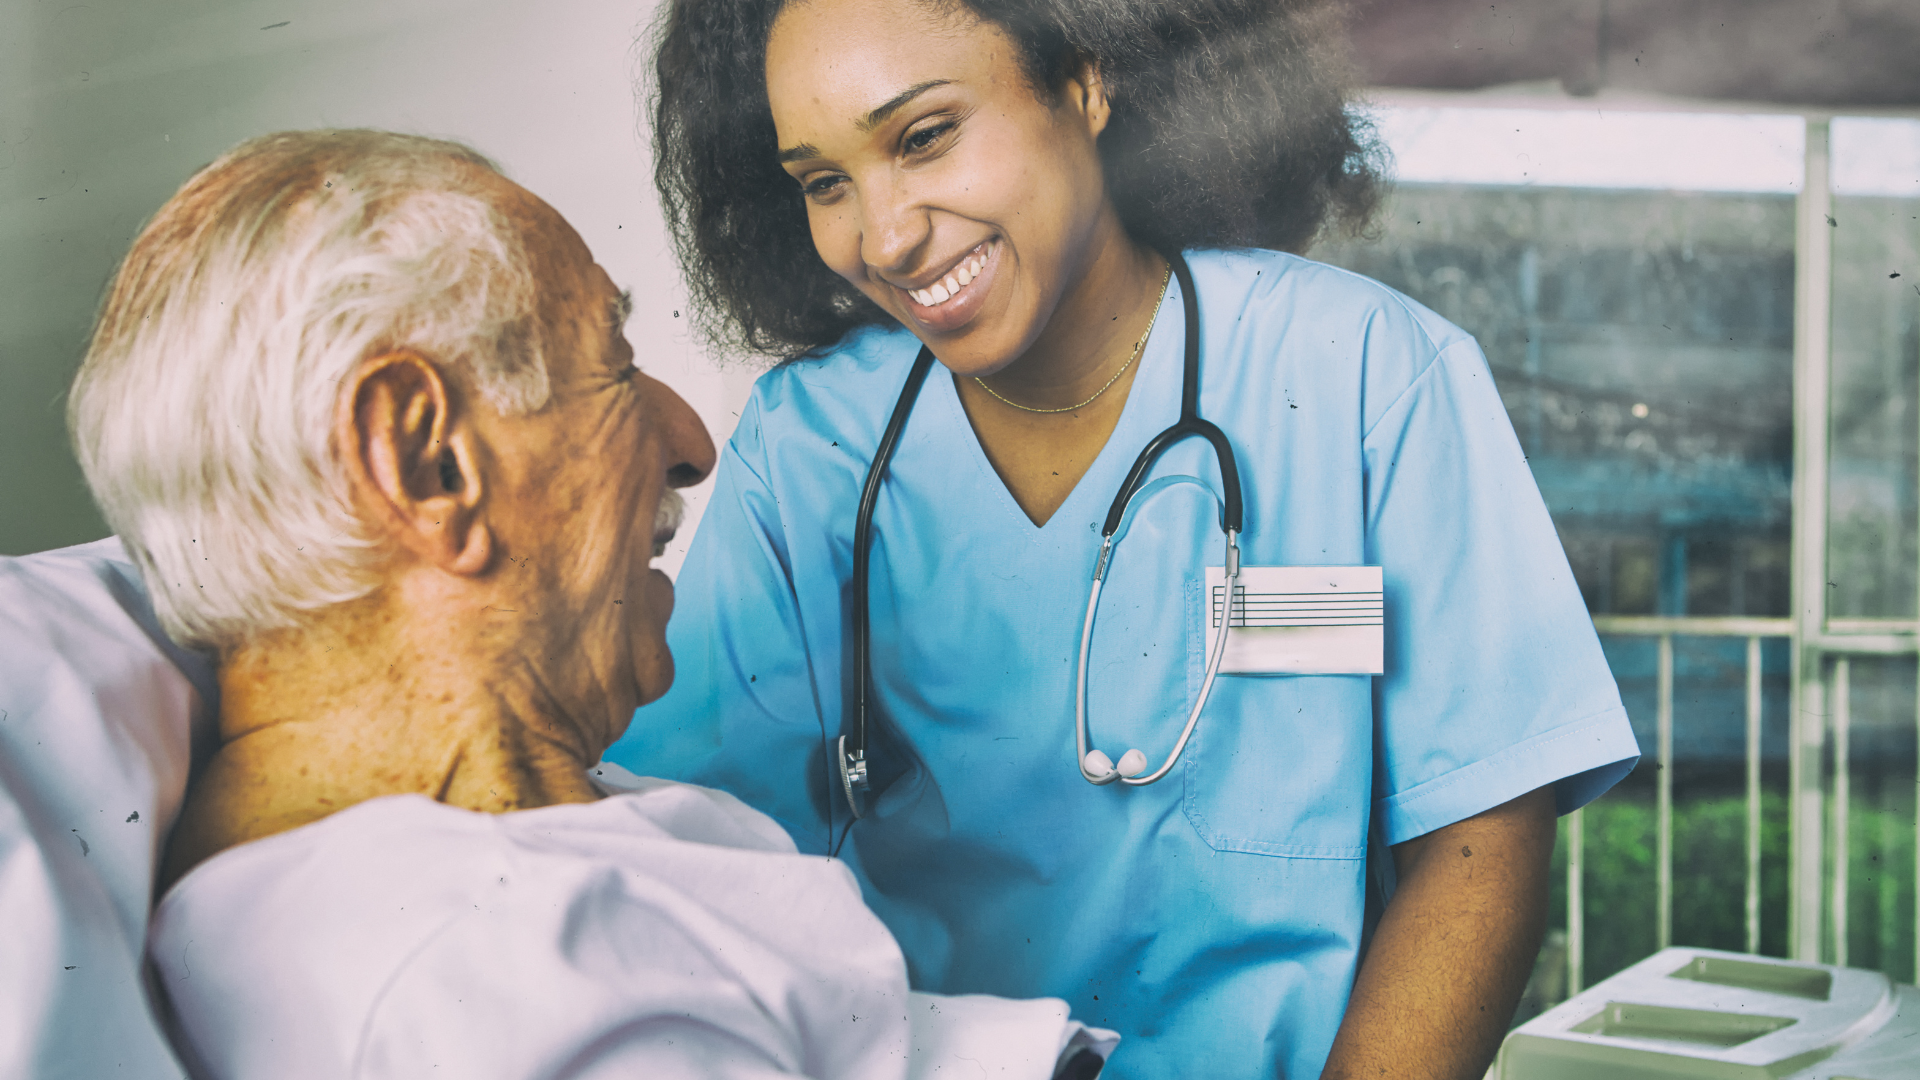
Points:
[[1453, 950]]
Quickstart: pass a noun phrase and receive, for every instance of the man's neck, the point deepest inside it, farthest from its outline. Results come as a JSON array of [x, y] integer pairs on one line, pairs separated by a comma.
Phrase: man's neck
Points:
[[315, 721]]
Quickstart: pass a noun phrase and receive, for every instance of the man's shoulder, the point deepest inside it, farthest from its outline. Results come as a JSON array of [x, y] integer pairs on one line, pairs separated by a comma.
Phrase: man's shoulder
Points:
[[288, 941], [301, 937], [293, 891], [413, 856], [401, 926], [688, 812]]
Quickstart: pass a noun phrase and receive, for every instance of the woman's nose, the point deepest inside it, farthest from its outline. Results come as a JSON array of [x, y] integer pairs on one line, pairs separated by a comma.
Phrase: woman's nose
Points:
[[893, 228]]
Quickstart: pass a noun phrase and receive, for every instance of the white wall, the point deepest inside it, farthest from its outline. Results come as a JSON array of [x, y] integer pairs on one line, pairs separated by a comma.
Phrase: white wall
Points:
[[107, 106]]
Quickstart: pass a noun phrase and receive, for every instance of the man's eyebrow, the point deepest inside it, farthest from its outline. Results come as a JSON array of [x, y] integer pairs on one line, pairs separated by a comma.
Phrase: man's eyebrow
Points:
[[872, 120], [620, 309]]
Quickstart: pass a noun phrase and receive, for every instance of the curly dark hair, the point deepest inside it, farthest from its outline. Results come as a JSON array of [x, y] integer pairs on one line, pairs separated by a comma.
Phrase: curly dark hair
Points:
[[1230, 127]]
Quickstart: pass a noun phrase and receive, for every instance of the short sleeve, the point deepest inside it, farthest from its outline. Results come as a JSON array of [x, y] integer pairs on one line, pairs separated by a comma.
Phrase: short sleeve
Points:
[[1495, 683], [744, 713]]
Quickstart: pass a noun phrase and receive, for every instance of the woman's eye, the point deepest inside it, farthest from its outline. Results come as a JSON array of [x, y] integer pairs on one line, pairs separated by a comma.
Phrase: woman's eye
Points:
[[924, 138], [821, 187]]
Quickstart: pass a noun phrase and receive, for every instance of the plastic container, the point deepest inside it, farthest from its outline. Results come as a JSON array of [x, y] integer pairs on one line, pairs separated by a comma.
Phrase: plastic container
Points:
[[1701, 1013]]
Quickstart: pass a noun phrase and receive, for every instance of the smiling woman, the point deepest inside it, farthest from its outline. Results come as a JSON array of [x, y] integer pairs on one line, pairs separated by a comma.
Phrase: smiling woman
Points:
[[1000, 245], [1229, 127]]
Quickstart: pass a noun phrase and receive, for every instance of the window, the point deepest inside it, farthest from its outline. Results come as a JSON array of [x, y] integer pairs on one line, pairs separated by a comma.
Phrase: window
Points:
[[1706, 330]]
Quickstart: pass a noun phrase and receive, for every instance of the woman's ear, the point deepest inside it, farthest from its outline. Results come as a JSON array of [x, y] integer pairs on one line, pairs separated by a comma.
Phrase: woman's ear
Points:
[[1086, 91], [413, 458]]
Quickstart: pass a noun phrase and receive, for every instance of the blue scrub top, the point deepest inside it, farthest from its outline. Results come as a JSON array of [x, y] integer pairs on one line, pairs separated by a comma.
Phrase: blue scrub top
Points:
[[1213, 918]]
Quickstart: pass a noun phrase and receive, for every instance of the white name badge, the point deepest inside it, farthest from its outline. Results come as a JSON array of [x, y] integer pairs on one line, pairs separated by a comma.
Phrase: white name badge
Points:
[[1300, 620]]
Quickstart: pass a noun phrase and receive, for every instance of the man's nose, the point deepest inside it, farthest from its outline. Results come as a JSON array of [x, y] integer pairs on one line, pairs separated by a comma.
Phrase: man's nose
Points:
[[690, 452]]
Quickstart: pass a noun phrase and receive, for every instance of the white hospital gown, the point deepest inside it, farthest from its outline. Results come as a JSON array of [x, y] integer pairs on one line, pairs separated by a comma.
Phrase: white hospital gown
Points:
[[668, 931]]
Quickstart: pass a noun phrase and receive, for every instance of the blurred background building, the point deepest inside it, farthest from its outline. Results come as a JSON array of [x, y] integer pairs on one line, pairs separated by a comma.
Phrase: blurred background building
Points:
[[1686, 232], [1687, 236]]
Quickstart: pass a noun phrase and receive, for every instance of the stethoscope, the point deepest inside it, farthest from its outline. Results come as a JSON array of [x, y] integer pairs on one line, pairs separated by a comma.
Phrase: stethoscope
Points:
[[1094, 765]]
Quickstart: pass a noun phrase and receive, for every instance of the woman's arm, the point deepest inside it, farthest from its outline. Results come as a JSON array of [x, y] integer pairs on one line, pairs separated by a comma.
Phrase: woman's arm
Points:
[[1453, 949]]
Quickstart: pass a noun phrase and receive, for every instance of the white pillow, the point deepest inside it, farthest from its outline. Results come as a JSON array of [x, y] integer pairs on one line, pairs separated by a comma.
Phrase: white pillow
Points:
[[100, 718]]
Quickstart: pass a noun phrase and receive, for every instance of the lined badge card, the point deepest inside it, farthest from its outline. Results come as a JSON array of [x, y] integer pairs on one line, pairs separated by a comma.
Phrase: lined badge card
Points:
[[1300, 620]]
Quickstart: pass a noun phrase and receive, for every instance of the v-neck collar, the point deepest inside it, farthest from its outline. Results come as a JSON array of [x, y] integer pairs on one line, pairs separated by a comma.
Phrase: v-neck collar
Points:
[[1153, 402]]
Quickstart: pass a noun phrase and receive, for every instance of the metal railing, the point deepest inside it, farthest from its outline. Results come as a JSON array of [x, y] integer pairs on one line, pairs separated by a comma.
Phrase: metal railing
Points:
[[1820, 698], [1821, 788], [1664, 629], [1840, 650]]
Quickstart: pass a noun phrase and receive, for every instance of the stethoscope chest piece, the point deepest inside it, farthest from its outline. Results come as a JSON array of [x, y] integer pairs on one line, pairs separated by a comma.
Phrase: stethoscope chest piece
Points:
[[852, 765]]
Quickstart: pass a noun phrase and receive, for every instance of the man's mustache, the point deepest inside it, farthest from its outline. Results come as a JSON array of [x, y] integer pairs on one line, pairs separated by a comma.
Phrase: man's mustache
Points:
[[666, 520]]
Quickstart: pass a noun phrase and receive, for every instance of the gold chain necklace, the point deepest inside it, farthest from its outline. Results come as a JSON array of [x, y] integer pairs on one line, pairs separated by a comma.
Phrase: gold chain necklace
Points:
[[1137, 346]]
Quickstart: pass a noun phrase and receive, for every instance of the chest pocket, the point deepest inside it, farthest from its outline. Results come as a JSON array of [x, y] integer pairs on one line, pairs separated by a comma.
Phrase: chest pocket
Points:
[[1280, 764]]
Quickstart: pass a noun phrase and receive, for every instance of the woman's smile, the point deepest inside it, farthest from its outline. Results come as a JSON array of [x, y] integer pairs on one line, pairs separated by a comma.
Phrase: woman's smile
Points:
[[954, 297], [955, 193]]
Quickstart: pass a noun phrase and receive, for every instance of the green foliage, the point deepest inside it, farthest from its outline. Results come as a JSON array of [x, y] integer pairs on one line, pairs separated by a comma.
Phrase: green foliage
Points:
[[1880, 889], [1709, 879]]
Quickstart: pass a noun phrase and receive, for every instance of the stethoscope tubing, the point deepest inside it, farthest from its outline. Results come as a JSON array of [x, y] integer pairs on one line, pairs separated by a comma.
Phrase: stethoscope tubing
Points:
[[1080, 736], [851, 762], [1190, 424]]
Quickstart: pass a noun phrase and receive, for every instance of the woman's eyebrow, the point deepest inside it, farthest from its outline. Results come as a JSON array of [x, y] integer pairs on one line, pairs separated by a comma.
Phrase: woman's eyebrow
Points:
[[799, 153], [867, 123], [879, 116]]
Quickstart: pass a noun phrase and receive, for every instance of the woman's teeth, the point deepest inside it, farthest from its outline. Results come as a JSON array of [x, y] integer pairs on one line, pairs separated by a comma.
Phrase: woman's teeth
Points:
[[946, 288]]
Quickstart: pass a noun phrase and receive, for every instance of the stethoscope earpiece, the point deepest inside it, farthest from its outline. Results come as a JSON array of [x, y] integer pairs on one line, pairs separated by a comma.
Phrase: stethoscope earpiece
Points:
[[1100, 769]]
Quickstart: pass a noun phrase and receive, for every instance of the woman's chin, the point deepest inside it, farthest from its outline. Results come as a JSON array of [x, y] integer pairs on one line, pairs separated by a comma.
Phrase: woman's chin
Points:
[[989, 345]]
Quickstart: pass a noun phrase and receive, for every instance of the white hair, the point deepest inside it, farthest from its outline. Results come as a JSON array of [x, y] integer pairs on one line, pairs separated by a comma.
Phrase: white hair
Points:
[[203, 414]]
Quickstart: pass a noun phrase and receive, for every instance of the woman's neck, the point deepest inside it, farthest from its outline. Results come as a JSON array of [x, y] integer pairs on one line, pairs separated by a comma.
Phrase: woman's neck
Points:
[[1094, 332], [1042, 420]]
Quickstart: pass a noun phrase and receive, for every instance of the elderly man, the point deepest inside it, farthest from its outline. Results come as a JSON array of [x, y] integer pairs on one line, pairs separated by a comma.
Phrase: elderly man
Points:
[[365, 416]]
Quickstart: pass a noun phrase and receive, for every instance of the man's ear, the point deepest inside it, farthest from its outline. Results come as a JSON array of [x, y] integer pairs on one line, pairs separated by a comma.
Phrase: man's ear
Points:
[[413, 456]]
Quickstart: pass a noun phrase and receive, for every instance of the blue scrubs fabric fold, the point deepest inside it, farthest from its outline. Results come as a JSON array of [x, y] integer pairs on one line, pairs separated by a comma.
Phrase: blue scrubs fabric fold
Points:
[[1213, 918]]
